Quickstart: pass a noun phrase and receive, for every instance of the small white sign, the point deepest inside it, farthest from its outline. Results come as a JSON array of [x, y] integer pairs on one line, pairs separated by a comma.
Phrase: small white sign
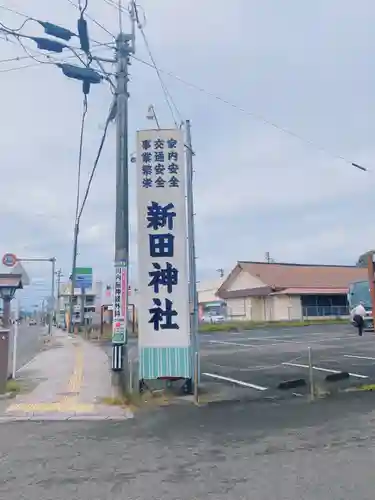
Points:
[[120, 304]]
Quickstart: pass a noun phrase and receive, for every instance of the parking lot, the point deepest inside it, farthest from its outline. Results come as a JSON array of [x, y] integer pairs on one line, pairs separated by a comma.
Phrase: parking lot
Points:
[[258, 360]]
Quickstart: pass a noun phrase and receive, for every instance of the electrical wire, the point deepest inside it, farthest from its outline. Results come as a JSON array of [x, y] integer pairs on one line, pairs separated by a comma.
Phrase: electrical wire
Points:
[[167, 95], [79, 170], [27, 50], [110, 118], [17, 29], [33, 65], [107, 75], [82, 10], [72, 49], [14, 11], [120, 11], [257, 117], [22, 14], [194, 86], [13, 59]]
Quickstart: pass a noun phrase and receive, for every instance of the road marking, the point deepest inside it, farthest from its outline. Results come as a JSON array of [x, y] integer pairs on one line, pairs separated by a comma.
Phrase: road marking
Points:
[[359, 357], [66, 404], [276, 342], [59, 407], [223, 342], [297, 365], [234, 381]]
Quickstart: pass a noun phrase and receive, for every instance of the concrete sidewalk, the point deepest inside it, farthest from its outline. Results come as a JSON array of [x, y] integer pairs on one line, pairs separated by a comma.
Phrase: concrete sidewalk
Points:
[[74, 376]]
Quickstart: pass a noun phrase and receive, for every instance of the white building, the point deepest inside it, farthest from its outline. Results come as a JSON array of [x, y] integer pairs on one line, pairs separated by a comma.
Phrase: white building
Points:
[[89, 304]]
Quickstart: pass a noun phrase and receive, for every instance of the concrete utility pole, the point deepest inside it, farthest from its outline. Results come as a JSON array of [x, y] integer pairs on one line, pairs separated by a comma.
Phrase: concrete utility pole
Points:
[[58, 284], [73, 276], [52, 303], [193, 295], [125, 47]]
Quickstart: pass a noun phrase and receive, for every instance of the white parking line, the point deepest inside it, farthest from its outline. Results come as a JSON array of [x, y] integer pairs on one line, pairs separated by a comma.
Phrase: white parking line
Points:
[[234, 381], [359, 357], [222, 342], [297, 365]]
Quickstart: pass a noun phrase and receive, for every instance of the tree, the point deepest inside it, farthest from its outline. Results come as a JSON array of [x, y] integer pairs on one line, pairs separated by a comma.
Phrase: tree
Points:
[[362, 259]]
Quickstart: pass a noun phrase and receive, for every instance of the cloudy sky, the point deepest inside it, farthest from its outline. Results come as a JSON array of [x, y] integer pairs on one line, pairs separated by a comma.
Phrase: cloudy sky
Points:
[[305, 67]]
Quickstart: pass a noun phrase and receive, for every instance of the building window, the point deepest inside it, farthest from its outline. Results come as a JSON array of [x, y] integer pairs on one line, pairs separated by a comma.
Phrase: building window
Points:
[[324, 305]]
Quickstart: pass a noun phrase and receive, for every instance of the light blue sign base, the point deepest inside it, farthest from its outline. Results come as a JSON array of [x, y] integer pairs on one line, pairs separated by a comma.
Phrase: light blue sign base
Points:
[[155, 362]]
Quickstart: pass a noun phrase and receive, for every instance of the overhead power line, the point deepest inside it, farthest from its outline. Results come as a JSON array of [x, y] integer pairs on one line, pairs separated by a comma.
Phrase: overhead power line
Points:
[[167, 95], [14, 11], [33, 65], [79, 169], [169, 98], [117, 5], [256, 116], [110, 118]]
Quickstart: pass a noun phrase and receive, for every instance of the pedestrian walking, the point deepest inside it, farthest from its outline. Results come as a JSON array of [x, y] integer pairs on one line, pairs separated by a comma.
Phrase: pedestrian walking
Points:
[[358, 314]]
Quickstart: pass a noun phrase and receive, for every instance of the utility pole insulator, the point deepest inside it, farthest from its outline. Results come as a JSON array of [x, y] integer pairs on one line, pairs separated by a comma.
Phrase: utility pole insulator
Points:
[[57, 31], [50, 45], [78, 73], [86, 88], [83, 35]]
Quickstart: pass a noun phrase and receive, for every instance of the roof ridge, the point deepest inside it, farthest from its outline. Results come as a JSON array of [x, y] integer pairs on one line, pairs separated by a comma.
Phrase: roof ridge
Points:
[[296, 264]]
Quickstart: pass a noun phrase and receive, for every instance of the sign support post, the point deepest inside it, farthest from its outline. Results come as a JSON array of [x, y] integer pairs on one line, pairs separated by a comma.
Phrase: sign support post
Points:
[[15, 340]]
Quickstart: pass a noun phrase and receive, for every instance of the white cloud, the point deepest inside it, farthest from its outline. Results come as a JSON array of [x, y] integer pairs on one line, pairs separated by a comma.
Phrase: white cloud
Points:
[[303, 66]]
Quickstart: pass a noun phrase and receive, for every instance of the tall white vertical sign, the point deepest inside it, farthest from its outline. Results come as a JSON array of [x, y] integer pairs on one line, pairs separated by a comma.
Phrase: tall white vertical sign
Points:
[[163, 304]]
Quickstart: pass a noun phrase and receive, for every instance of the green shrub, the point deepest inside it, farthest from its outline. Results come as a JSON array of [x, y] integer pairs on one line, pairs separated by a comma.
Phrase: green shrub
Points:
[[249, 325]]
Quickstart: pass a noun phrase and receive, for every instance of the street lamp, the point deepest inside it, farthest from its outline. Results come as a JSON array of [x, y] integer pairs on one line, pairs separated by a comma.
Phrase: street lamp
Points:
[[8, 286]]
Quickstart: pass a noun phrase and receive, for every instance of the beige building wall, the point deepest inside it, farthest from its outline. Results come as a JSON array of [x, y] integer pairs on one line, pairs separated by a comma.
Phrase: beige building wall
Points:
[[237, 308], [245, 280], [271, 308], [282, 308]]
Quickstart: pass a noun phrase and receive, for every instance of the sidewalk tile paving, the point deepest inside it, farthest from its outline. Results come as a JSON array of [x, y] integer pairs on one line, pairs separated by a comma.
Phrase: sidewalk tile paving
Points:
[[75, 376]]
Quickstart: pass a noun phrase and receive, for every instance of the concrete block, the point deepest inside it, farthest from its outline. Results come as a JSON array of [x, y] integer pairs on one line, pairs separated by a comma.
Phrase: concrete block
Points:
[[336, 377], [292, 384]]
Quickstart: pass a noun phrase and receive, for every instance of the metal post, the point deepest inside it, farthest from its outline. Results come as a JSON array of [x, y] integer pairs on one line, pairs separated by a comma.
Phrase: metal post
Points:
[[73, 277], [57, 308], [193, 295], [124, 48], [52, 301], [83, 300], [15, 341], [6, 312], [131, 383], [311, 376], [196, 378]]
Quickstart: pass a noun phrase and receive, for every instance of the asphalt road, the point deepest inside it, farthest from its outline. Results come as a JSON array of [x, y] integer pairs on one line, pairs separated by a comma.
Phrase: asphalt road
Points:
[[280, 449], [28, 344], [259, 360], [259, 451]]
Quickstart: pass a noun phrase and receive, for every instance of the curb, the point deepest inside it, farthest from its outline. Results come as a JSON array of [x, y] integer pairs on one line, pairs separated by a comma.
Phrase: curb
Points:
[[7, 395]]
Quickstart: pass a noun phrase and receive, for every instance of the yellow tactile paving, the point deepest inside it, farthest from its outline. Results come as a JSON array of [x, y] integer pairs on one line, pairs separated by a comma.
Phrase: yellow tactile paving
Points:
[[66, 404], [51, 408]]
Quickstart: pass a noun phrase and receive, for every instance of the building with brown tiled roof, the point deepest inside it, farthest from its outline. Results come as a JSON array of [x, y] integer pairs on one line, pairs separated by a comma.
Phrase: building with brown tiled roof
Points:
[[263, 291]]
